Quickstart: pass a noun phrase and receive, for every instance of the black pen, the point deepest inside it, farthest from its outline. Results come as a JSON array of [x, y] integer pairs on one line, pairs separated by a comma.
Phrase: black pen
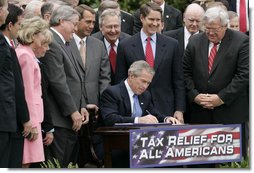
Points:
[[148, 112]]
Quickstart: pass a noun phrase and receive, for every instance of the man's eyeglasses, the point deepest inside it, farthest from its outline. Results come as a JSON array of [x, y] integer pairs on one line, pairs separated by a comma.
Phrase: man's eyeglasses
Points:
[[213, 30]]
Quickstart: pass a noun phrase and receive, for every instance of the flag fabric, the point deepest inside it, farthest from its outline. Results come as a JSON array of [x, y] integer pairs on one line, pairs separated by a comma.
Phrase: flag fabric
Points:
[[153, 147]]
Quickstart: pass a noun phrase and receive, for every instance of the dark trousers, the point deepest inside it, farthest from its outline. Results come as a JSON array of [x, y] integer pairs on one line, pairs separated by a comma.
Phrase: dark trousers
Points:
[[5, 148], [16, 152], [64, 147]]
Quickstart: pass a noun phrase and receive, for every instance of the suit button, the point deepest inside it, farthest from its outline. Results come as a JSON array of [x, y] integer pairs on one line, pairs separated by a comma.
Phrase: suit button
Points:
[[209, 81]]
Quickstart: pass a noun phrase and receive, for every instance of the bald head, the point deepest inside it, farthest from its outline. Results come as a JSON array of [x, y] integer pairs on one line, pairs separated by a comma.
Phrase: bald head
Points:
[[192, 17]]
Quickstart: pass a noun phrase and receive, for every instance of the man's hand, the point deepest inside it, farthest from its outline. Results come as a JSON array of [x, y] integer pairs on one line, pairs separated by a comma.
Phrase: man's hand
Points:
[[208, 101], [85, 116], [27, 128], [148, 119], [179, 116], [48, 138], [77, 120], [172, 120]]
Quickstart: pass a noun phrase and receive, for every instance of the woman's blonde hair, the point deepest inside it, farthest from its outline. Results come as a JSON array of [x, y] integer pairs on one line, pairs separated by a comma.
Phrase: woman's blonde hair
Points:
[[29, 28]]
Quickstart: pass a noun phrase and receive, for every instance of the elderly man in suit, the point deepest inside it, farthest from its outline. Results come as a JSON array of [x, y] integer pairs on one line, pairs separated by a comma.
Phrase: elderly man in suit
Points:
[[162, 53], [66, 86], [216, 72], [111, 35], [172, 17], [191, 18]]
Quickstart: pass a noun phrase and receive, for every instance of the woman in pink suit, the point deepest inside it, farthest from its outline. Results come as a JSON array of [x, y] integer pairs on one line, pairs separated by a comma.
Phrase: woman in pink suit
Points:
[[31, 36]]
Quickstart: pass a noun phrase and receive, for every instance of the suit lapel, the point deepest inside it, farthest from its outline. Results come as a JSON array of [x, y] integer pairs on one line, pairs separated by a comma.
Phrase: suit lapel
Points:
[[78, 57], [160, 48], [125, 98], [181, 39], [204, 44], [138, 48], [221, 51]]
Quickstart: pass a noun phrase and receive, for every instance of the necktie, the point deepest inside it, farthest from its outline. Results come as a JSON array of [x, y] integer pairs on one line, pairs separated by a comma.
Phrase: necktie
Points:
[[82, 51], [12, 44], [137, 111], [242, 16], [149, 52], [212, 56], [112, 57]]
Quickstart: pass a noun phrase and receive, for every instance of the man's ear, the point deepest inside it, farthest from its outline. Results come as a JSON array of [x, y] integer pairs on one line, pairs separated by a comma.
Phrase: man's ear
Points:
[[142, 18], [10, 26]]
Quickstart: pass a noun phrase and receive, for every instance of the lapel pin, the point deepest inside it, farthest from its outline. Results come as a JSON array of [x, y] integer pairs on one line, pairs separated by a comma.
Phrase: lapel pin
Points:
[[123, 20], [141, 103], [167, 16]]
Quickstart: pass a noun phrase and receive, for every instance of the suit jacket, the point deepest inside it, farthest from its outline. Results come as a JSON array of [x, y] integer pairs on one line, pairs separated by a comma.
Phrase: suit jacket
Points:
[[167, 87], [177, 34], [116, 105], [99, 36], [13, 106], [229, 77], [127, 22], [172, 19], [97, 70], [66, 81]]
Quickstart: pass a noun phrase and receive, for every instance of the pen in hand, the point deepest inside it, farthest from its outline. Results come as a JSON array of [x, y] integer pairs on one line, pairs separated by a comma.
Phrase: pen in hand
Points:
[[148, 112]]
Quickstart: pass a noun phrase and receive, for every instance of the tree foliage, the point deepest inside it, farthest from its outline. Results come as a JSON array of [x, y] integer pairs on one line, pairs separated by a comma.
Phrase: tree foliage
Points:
[[132, 5]]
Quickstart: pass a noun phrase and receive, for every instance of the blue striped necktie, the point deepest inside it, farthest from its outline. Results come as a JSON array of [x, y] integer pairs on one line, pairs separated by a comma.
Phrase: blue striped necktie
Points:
[[137, 111]]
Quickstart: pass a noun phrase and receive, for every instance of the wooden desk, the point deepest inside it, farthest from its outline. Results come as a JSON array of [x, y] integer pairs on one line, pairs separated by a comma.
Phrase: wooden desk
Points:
[[114, 138]]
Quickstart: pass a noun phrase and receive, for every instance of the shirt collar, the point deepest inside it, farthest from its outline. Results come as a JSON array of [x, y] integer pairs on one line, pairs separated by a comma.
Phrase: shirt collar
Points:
[[144, 36], [60, 35], [129, 90], [78, 39]]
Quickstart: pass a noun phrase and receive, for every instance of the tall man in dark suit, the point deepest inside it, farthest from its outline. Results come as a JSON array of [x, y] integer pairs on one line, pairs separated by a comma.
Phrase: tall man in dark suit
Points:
[[14, 115], [111, 35], [191, 19], [216, 72], [66, 86], [172, 17], [167, 87]]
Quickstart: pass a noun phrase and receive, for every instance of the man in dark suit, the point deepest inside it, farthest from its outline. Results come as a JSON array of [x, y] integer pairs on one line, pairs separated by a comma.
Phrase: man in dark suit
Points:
[[130, 102], [126, 18], [167, 87], [118, 104], [66, 87], [191, 19], [172, 17], [13, 108], [111, 35], [217, 83], [96, 68]]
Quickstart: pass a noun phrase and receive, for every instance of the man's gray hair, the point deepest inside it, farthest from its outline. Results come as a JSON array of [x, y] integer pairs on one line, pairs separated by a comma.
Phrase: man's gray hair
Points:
[[108, 12], [214, 14], [138, 66], [64, 12]]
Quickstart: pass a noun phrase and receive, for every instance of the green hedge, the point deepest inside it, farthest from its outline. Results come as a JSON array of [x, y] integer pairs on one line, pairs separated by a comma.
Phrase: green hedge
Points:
[[132, 5]]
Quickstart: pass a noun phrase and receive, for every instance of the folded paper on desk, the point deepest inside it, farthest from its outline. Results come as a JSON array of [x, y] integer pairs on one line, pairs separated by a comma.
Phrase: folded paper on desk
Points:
[[141, 124]]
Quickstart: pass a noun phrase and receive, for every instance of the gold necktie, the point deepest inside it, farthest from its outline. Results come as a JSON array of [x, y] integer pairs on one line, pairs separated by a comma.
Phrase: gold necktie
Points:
[[82, 51]]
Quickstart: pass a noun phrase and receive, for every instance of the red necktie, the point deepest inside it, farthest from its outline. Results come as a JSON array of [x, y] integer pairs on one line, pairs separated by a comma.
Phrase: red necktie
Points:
[[112, 57], [149, 53], [12, 44], [242, 16], [212, 56]]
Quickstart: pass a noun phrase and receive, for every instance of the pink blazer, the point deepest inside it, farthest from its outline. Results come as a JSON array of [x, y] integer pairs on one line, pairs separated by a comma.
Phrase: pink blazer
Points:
[[32, 83]]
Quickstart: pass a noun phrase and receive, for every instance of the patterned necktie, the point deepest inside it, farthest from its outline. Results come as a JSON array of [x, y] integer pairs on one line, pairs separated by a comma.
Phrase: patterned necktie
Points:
[[149, 52], [82, 51], [212, 56], [112, 57], [137, 111], [242, 16]]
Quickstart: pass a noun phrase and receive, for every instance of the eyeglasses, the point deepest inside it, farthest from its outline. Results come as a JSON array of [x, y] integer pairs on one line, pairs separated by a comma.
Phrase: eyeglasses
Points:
[[112, 26], [213, 30]]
